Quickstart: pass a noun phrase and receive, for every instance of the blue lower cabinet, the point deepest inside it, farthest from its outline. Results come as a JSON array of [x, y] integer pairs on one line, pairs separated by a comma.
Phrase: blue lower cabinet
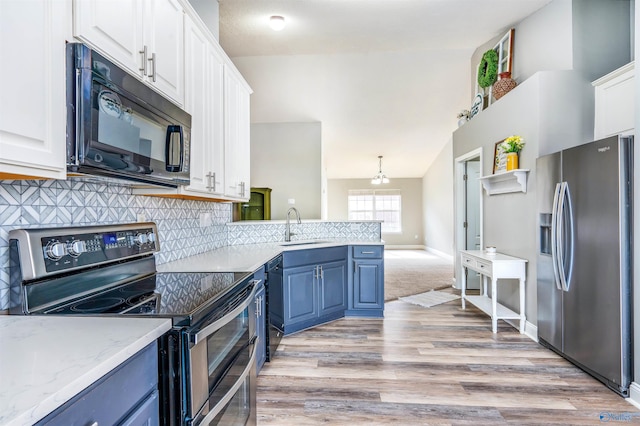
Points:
[[127, 395], [313, 293], [366, 287]]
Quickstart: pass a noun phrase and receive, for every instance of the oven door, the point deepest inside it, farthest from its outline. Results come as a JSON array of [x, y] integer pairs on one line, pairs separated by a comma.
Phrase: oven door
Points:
[[222, 364]]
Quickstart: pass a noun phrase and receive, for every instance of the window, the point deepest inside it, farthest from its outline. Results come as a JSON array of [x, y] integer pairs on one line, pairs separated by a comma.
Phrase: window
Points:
[[383, 204]]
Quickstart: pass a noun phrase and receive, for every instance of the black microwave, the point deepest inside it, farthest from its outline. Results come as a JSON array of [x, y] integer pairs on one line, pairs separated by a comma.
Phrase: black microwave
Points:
[[118, 127]]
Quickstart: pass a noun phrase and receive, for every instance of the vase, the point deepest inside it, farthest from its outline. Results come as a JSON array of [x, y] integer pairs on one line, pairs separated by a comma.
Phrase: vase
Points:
[[504, 85], [512, 160]]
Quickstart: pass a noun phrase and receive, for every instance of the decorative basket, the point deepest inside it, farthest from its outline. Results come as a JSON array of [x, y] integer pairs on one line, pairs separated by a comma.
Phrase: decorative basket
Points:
[[504, 85]]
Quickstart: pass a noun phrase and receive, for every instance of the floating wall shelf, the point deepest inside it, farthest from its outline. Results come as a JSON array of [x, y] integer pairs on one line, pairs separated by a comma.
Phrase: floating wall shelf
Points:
[[502, 183]]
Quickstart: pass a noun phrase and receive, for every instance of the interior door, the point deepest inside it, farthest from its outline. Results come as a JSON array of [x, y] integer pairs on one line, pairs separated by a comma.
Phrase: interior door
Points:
[[472, 215]]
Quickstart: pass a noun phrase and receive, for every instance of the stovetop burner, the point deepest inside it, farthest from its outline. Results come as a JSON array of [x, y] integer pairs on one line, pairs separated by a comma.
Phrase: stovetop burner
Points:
[[101, 304]]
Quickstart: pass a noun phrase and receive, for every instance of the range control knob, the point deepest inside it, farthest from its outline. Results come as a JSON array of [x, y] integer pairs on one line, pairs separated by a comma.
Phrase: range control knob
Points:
[[76, 248], [140, 239], [151, 237], [55, 250]]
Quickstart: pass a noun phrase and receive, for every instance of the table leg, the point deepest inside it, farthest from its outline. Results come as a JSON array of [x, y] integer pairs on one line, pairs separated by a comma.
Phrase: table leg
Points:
[[494, 305], [522, 306], [485, 279]]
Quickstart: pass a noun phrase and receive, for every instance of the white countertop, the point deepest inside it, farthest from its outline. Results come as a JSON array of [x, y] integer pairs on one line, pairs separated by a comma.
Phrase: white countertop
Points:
[[247, 257], [47, 360]]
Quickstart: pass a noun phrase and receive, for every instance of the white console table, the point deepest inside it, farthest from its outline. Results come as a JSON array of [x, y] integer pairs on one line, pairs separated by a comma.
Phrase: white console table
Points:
[[495, 266]]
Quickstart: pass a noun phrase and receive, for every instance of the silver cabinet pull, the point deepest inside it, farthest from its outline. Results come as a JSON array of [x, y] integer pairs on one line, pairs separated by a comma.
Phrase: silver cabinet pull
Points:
[[213, 181], [153, 67], [143, 52], [368, 252]]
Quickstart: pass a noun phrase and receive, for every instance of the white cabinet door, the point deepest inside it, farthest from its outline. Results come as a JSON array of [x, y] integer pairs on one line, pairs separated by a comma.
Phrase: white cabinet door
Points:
[[114, 27], [196, 47], [165, 24], [33, 107], [203, 100], [236, 137], [143, 36], [215, 119]]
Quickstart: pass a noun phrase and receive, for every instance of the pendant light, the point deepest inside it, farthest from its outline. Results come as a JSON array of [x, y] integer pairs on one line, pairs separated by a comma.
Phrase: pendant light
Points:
[[379, 177]]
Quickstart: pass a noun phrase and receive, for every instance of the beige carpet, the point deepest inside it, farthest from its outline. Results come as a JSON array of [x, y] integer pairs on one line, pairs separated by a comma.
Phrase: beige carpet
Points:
[[409, 272]]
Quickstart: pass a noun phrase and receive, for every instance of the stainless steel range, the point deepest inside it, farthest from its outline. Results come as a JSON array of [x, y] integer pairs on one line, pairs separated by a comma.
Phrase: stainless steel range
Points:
[[207, 361]]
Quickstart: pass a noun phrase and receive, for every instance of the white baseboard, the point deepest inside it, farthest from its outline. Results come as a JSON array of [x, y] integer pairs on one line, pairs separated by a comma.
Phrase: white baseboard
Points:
[[634, 394], [530, 330], [403, 247], [440, 253]]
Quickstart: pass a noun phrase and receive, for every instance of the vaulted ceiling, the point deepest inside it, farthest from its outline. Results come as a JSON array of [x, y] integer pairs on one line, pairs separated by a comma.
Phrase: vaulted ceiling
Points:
[[384, 77]]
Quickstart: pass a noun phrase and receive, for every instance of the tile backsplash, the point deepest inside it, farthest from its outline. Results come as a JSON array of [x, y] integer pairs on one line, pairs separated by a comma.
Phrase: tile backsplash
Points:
[[185, 227], [43, 203]]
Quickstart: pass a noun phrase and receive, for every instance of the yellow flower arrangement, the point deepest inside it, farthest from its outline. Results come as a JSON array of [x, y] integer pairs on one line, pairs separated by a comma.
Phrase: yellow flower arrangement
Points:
[[512, 144]]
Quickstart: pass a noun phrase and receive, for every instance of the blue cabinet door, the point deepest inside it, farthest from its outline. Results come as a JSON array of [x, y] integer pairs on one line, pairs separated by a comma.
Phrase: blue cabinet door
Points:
[[368, 284], [300, 294], [332, 286]]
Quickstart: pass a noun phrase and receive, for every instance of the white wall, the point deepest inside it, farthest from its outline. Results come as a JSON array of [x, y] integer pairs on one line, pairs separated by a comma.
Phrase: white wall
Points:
[[542, 42], [437, 198], [411, 190], [286, 157], [209, 12]]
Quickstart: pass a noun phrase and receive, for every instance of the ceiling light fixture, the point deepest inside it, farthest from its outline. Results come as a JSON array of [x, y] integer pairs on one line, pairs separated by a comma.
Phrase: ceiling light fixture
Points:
[[379, 177], [277, 22]]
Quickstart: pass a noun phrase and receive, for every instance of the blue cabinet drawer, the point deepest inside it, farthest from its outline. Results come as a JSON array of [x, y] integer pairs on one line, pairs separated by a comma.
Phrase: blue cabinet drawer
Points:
[[313, 256], [368, 252]]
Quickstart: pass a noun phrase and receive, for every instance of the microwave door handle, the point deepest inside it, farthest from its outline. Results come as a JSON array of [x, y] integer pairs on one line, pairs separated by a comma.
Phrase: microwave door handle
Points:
[[170, 149]]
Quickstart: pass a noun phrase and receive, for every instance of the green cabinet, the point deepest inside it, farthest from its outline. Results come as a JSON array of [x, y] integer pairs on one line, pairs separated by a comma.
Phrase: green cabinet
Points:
[[314, 288], [366, 289]]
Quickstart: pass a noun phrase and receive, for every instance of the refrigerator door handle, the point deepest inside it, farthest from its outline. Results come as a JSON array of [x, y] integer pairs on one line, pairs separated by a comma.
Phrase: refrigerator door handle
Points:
[[554, 234], [566, 246]]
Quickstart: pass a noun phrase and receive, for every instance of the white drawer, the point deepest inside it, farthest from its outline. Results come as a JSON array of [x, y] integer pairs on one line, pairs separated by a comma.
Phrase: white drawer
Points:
[[475, 264]]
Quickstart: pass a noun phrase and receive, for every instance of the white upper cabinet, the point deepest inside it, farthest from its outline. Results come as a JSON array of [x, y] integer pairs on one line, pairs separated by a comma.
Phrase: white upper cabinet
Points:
[[615, 103], [144, 36], [32, 83], [236, 135], [203, 100]]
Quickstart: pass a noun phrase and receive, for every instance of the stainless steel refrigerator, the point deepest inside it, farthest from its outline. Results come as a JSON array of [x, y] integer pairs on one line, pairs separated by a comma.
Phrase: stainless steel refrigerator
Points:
[[584, 257]]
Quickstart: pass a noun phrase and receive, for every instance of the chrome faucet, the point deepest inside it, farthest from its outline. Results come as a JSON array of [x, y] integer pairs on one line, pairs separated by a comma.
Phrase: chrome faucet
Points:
[[287, 231]]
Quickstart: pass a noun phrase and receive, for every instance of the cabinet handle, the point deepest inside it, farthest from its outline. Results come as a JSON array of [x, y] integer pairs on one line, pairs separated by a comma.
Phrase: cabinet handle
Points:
[[153, 67], [213, 181], [368, 252], [242, 189], [321, 272], [143, 52]]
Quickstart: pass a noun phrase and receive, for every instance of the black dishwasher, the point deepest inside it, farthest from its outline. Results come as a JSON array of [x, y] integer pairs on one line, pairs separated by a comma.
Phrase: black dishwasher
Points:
[[273, 287]]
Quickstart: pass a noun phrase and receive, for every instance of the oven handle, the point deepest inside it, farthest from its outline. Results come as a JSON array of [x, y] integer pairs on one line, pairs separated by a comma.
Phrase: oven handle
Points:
[[214, 326], [231, 393]]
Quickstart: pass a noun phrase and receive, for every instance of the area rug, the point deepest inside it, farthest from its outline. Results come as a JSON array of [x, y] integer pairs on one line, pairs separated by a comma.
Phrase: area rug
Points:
[[409, 272], [430, 298]]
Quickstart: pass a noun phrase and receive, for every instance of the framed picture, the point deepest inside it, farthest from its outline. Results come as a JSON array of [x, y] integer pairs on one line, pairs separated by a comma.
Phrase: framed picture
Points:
[[499, 159]]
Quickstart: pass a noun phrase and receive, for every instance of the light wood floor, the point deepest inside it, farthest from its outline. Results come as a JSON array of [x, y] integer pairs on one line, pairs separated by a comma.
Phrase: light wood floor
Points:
[[422, 366]]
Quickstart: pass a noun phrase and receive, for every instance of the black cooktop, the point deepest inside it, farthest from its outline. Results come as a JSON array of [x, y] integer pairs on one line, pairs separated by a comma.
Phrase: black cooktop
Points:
[[184, 297]]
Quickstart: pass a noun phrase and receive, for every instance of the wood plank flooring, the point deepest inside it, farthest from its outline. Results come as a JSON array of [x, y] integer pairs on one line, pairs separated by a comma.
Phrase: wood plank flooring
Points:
[[427, 366]]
